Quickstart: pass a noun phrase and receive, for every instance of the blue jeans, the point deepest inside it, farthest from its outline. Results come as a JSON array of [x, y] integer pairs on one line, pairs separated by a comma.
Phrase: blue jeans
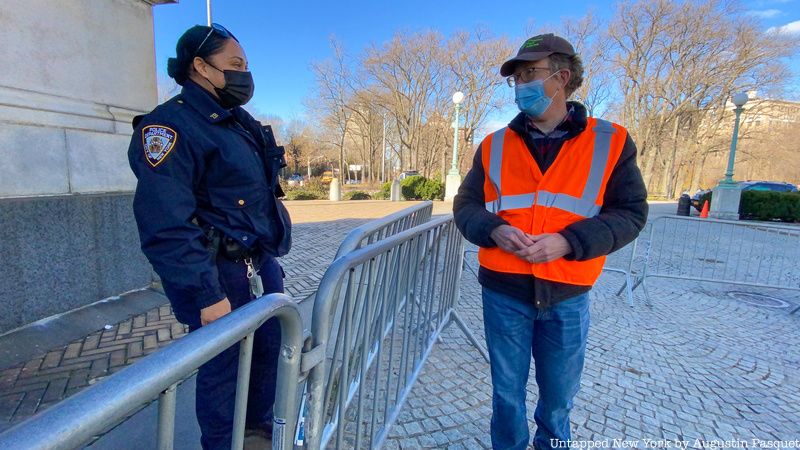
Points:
[[216, 379], [556, 338]]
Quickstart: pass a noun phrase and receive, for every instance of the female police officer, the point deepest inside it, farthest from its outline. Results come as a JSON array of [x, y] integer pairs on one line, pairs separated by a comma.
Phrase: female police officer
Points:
[[208, 215]]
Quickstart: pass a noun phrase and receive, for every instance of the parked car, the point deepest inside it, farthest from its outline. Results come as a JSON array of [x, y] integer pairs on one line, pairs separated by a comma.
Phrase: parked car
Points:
[[776, 186], [697, 196], [295, 179]]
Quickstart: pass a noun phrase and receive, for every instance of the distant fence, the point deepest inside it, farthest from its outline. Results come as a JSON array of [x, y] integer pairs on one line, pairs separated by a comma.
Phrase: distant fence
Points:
[[626, 261], [622, 261], [758, 254]]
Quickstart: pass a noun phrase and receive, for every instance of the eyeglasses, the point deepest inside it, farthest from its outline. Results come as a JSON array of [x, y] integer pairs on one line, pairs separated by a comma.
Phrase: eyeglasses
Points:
[[222, 31], [525, 76]]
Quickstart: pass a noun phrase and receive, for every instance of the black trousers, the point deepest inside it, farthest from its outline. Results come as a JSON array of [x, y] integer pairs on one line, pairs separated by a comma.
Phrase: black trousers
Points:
[[216, 379]]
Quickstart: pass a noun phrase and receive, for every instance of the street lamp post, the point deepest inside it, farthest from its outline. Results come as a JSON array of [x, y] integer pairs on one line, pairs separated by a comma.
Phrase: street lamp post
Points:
[[727, 195], [453, 177], [383, 150], [309, 163], [739, 100]]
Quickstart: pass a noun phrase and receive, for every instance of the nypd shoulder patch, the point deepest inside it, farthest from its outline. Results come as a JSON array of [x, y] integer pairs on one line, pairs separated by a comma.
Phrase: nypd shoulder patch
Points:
[[158, 141]]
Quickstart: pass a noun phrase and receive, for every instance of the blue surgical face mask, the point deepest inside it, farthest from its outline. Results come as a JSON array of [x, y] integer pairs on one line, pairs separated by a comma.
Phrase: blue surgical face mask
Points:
[[531, 99]]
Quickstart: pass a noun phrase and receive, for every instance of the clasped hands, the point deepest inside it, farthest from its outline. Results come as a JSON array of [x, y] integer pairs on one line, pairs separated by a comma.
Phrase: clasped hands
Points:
[[533, 248]]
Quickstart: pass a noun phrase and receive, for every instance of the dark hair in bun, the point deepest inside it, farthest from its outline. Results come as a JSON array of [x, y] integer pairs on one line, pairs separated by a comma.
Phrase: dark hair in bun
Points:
[[178, 68]]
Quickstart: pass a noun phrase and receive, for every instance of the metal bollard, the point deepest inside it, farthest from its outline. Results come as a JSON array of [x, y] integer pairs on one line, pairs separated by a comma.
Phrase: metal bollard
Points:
[[336, 190], [395, 192], [684, 204]]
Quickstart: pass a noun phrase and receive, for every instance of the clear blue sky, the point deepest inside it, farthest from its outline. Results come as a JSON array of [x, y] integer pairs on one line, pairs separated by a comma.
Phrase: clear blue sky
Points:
[[282, 38]]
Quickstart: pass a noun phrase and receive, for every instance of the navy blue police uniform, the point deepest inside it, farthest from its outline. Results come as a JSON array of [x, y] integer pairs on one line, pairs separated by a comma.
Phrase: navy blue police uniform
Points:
[[207, 201]]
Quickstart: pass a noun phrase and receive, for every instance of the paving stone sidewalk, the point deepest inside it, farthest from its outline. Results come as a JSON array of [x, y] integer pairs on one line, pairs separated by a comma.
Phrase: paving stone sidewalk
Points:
[[319, 227], [43, 381], [696, 364]]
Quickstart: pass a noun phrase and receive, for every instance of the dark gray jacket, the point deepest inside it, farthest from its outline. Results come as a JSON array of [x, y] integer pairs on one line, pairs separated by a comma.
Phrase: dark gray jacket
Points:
[[619, 222]]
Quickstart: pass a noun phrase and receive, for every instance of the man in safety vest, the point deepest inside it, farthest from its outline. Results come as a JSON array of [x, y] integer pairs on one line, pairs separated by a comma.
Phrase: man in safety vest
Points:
[[546, 199]]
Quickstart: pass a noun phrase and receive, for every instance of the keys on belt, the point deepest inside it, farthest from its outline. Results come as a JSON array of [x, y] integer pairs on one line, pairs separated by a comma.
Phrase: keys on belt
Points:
[[232, 250], [254, 279]]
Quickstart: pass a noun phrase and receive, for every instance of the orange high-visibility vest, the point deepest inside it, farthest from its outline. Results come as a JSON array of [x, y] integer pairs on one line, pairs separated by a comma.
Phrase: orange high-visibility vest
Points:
[[571, 190]]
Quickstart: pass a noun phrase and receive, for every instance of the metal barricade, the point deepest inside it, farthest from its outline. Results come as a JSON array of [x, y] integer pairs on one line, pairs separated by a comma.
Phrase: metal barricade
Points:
[[378, 312], [755, 254], [625, 259], [93, 411], [375, 230], [621, 261]]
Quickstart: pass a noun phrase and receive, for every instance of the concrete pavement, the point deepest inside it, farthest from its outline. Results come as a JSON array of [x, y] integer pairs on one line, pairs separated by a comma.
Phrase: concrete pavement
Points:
[[52, 359], [696, 363]]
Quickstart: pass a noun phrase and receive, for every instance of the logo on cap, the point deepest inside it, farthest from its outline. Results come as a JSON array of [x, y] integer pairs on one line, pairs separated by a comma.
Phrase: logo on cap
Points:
[[532, 42]]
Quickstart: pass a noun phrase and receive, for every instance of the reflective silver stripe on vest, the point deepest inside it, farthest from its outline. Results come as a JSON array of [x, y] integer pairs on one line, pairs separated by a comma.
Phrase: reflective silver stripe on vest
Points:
[[602, 149], [580, 206], [583, 206], [496, 167], [516, 201]]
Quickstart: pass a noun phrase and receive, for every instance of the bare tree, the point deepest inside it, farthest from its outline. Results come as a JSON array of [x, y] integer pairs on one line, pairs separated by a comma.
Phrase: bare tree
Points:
[[334, 94], [407, 72], [665, 69], [588, 37], [297, 143], [474, 60], [676, 65], [366, 131]]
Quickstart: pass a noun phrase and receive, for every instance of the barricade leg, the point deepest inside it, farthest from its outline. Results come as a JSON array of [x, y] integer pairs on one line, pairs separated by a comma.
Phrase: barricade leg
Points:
[[286, 398], [454, 317], [646, 291], [242, 390], [627, 286], [166, 418], [467, 264]]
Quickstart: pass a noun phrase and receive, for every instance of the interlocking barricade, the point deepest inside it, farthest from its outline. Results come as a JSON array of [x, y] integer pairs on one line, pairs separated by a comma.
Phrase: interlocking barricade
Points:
[[759, 254], [375, 230], [377, 314], [621, 261], [625, 259], [81, 418]]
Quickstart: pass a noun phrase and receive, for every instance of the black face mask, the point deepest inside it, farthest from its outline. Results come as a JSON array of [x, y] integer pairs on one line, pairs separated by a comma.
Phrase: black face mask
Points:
[[238, 89]]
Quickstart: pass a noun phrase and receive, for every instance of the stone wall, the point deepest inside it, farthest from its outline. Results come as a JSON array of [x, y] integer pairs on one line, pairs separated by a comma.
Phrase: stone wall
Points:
[[74, 75], [64, 252]]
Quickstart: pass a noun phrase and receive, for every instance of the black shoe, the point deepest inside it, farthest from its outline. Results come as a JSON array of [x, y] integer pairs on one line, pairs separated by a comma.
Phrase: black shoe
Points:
[[258, 437], [261, 429]]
